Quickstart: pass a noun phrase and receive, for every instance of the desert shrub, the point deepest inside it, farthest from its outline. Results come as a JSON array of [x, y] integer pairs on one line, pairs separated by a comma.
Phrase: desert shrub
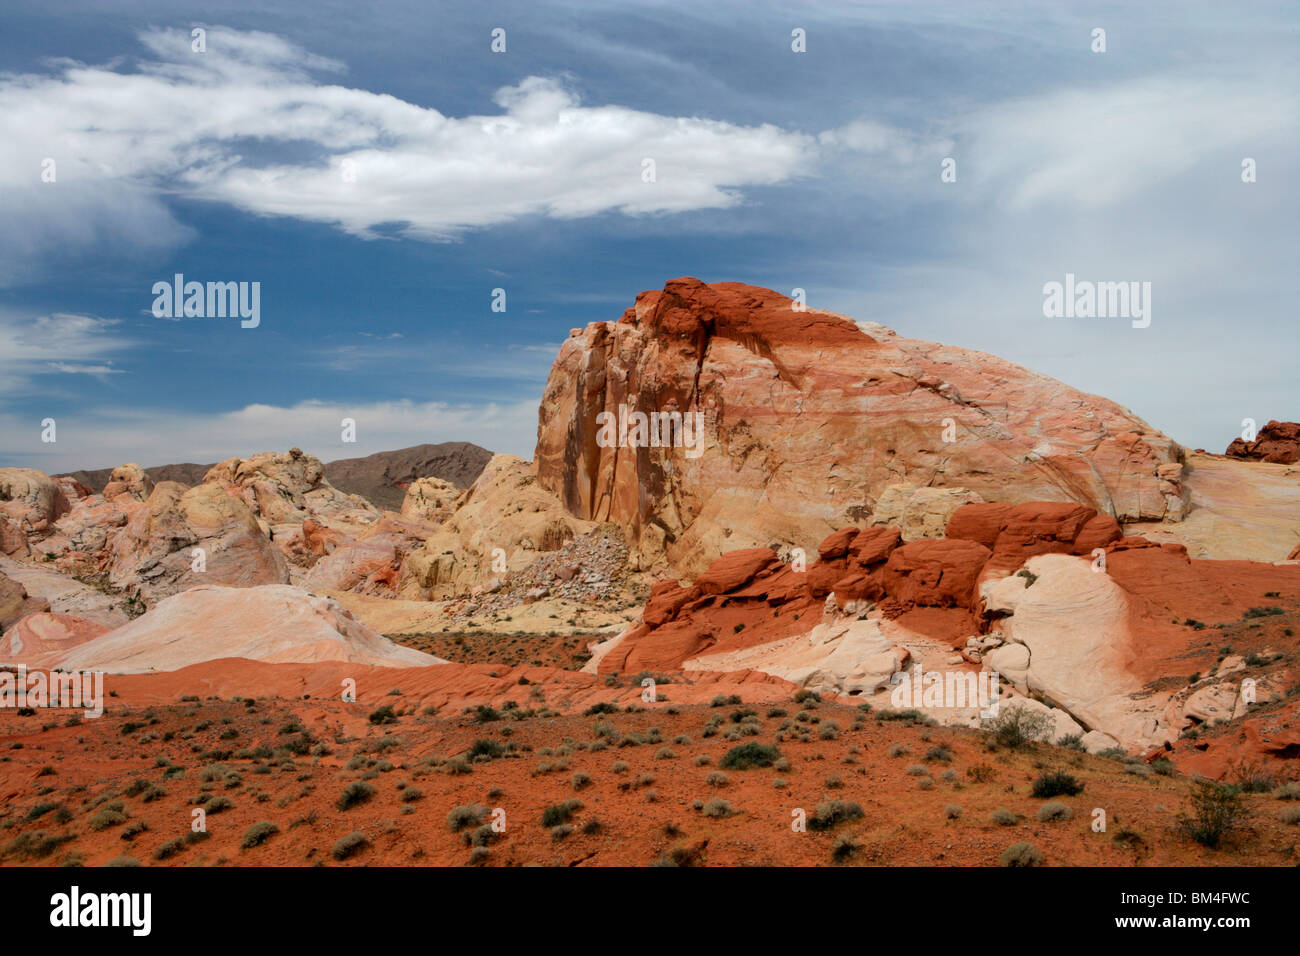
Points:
[[1288, 791], [384, 715], [1252, 777], [1055, 784], [356, 793], [748, 756], [258, 834], [717, 807], [952, 811], [348, 845], [1014, 727], [1216, 810], [485, 747], [1021, 854], [411, 794], [832, 813], [940, 753], [560, 812], [580, 780], [1054, 810], [169, 849], [465, 816], [111, 815], [717, 779], [898, 750], [1003, 818], [1290, 815], [844, 848]]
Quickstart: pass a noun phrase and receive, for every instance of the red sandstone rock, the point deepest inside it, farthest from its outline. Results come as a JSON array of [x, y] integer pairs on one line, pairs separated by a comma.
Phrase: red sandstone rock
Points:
[[936, 573], [1277, 442], [734, 569]]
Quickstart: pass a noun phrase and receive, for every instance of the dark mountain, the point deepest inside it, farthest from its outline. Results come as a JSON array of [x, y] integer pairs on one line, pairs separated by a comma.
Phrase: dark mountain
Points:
[[382, 477]]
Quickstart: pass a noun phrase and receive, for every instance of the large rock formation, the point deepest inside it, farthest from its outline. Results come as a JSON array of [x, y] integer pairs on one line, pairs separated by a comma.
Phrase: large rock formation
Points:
[[430, 499], [502, 524], [181, 538], [808, 419], [284, 489], [278, 623]]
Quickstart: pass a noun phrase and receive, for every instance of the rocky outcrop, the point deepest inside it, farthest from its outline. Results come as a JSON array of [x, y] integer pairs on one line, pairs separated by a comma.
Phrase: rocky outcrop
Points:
[[1276, 442], [182, 538], [284, 489], [372, 564], [276, 623], [129, 480], [64, 594], [31, 501], [807, 420], [430, 500], [16, 603], [502, 524], [42, 639]]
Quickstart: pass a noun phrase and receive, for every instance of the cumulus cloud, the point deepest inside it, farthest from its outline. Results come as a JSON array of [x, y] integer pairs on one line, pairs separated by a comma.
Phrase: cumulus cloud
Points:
[[102, 437], [221, 125]]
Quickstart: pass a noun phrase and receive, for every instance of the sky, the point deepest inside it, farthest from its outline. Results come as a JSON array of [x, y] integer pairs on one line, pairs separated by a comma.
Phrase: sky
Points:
[[380, 170]]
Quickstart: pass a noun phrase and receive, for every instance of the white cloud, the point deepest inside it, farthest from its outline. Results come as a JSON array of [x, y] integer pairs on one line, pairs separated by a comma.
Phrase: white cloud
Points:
[[100, 437], [61, 343], [220, 125]]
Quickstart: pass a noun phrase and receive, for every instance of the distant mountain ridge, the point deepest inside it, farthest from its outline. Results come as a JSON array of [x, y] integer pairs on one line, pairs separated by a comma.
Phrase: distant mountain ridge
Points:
[[380, 478]]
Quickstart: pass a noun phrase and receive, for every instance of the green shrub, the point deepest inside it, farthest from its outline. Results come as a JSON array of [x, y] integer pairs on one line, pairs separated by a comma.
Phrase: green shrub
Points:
[[348, 845], [258, 834], [356, 793], [1054, 810], [1021, 854], [748, 756], [1216, 810], [466, 816], [560, 812], [1055, 784], [832, 813]]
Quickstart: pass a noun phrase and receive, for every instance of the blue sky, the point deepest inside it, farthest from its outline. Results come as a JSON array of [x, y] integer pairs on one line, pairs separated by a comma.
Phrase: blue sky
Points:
[[522, 170]]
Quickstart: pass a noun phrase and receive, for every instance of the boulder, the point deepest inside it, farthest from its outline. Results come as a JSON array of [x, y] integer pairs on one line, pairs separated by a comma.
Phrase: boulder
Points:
[[1276, 442], [129, 480]]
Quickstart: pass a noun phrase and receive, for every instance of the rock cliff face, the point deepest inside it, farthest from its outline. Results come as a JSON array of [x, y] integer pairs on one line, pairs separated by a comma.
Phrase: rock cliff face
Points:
[[808, 419]]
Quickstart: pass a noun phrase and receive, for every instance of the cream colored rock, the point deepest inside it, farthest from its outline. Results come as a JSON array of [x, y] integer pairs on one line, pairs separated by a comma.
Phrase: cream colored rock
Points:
[[1001, 595], [1221, 701], [182, 538], [31, 499], [129, 480], [1075, 623], [66, 595], [430, 499], [277, 623], [1095, 742], [1011, 661], [920, 512], [290, 488], [1240, 510], [848, 657], [501, 524]]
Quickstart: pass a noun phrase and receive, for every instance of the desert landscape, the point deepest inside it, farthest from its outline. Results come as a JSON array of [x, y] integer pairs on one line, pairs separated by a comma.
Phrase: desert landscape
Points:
[[737, 649]]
